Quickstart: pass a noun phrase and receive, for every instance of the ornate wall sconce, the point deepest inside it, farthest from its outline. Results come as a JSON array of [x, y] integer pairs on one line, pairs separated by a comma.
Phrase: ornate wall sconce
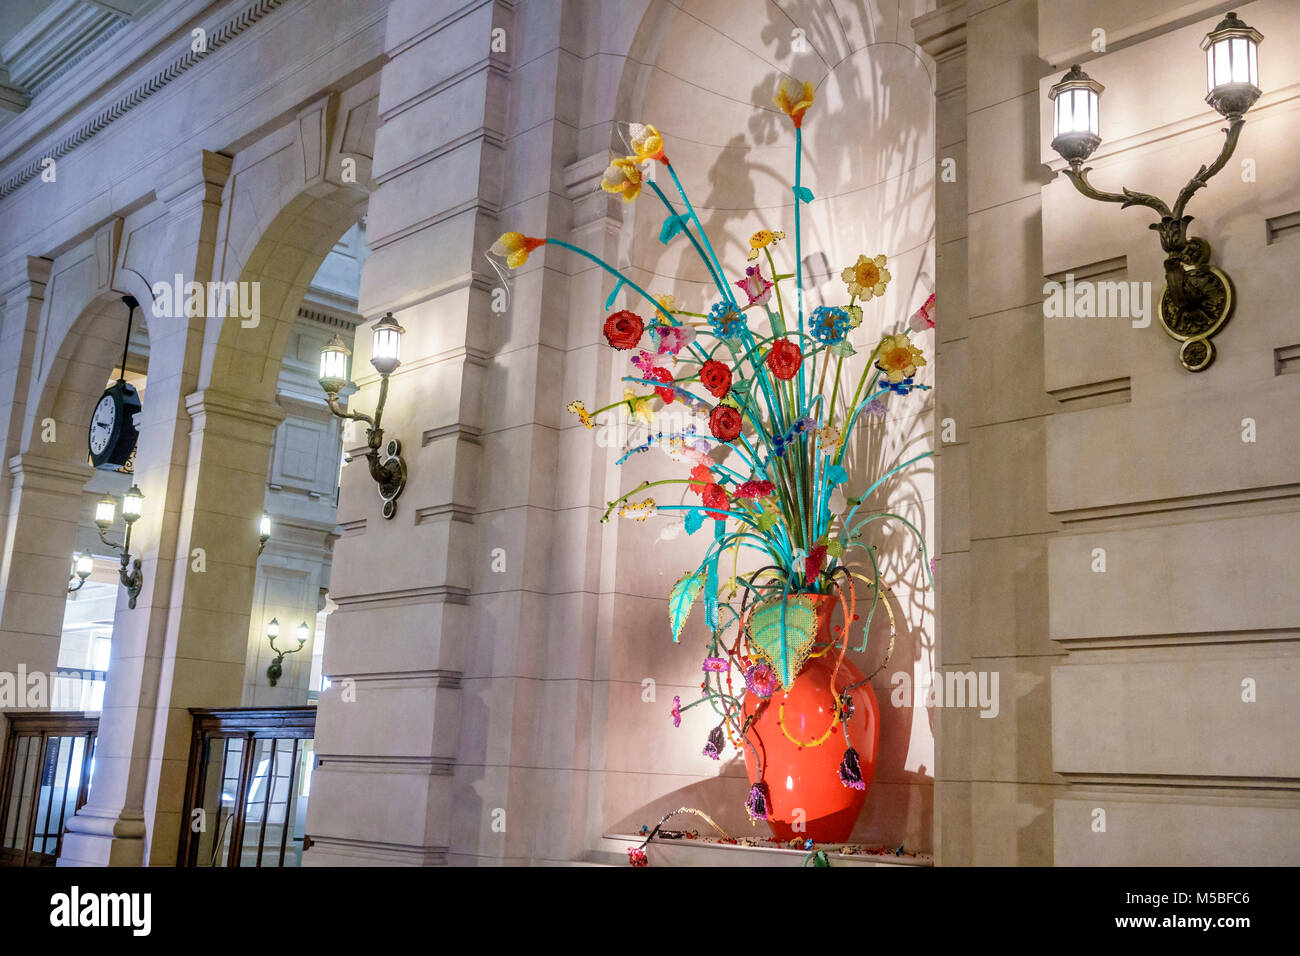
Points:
[[1197, 299], [263, 532], [82, 565], [105, 512], [390, 472], [276, 670]]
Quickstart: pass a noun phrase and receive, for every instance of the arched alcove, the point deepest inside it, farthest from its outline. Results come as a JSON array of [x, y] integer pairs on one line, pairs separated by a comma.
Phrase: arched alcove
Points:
[[705, 74]]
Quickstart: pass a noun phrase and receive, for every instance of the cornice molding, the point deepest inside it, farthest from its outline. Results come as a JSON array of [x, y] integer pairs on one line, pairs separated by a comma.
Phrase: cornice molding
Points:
[[161, 77]]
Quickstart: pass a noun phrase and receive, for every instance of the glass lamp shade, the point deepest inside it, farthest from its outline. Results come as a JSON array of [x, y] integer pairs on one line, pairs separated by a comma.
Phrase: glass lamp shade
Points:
[[385, 355], [84, 565], [1232, 66], [273, 629], [1076, 102], [105, 512], [303, 633], [132, 502], [264, 527], [334, 365]]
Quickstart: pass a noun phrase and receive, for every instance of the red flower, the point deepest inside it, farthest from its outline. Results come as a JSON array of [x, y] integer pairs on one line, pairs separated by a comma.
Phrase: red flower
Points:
[[701, 476], [784, 359], [725, 423], [663, 375], [716, 377], [812, 565], [623, 329], [755, 489], [715, 496]]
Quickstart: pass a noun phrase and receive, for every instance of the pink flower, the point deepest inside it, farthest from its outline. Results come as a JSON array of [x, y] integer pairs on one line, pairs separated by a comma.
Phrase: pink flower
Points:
[[673, 338], [923, 318], [644, 362], [677, 711], [716, 665], [755, 286]]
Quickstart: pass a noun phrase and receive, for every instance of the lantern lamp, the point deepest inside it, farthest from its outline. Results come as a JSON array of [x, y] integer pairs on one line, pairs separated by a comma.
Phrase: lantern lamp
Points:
[[1075, 123], [1232, 66]]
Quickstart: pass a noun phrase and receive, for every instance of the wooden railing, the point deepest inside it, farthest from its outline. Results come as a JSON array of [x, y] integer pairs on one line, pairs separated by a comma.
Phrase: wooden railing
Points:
[[44, 780]]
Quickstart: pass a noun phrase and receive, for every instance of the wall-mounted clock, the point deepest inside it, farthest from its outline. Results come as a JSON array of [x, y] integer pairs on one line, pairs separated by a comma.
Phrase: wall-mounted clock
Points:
[[112, 435]]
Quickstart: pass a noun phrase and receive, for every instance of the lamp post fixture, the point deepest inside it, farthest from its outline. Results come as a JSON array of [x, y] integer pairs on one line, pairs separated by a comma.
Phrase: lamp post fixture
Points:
[[1197, 299], [105, 512], [276, 670], [263, 532], [390, 471], [82, 565]]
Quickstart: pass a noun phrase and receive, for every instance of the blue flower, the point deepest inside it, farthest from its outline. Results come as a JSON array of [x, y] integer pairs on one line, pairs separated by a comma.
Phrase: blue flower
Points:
[[829, 324], [726, 321]]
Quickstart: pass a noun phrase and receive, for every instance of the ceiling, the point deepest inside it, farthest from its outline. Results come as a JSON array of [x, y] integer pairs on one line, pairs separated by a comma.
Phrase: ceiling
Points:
[[40, 39]]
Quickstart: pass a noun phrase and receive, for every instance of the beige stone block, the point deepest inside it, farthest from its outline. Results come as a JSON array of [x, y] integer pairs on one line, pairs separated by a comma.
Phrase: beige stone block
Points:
[[1009, 456], [951, 198], [1002, 53], [951, 291], [1163, 830], [430, 712], [1156, 578], [1008, 608], [1181, 718], [1011, 824], [1005, 257], [954, 622], [952, 474], [1004, 161]]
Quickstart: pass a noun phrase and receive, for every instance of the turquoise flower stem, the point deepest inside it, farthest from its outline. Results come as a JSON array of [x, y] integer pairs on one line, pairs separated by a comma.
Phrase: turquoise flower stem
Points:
[[704, 236]]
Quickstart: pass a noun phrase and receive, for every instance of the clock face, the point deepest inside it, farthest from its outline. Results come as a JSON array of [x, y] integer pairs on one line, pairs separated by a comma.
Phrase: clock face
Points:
[[102, 425]]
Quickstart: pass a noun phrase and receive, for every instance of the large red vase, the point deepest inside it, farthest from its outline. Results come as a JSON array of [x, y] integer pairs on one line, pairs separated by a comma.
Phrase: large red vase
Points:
[[807, 798]]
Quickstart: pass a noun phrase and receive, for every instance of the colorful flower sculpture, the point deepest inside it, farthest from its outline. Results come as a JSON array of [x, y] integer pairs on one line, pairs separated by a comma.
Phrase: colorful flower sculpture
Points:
[[786, 424]]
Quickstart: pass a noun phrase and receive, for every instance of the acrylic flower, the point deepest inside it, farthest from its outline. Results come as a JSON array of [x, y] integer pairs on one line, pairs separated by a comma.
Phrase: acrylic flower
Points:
[[876, 407], [829, 324], [762, 239], [784, 359], [754, 489], [713, 747], [867, 277], [701, 478], [677, 711], [636, 856], [898, 357], [673, 338], [794, 98], [923, 318], [812, 565], [639, 510], [514, 247], [667, 302], [716, 665], [715, 496], [755, 286], [623, 329], [716, 377], [579, 409], [644, 363], [761, 681], [638, 406], [724, 423], [663, 375], [725, 320], [622, 177], [647, 143]]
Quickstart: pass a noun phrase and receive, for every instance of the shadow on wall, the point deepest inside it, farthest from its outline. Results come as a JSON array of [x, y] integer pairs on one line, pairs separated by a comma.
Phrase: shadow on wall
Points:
[[869, 160]]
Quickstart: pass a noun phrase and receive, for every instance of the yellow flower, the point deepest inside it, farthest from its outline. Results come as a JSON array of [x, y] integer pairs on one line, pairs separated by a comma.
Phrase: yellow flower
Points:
[[667, 302], [898, 357], [647, 143], [639, 405], [514, 248], [867, 277], [828, 438], [638, 510], [579, 409], [762, 239], [793, 99], [622, 176]]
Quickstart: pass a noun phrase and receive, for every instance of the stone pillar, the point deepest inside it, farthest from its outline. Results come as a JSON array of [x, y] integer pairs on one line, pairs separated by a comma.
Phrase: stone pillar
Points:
[[201, 465], [389, 729], [40, 536]]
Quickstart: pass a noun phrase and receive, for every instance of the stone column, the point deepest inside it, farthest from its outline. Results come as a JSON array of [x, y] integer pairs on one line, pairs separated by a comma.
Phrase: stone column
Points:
[[388, 730], [201, 465]]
